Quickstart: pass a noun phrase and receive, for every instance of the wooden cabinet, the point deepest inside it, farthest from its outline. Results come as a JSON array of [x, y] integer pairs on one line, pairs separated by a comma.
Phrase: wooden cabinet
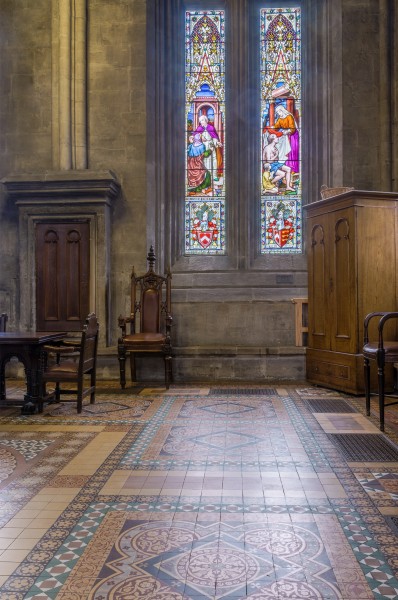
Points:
[[352, 270]]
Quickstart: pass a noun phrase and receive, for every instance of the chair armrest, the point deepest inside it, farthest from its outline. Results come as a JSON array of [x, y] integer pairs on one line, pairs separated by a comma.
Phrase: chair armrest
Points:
[[385, 316], [367, 320], [122, 321]]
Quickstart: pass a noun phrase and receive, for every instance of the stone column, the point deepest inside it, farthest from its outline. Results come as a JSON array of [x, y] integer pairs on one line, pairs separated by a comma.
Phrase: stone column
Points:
[[70, 82], [64, 88]]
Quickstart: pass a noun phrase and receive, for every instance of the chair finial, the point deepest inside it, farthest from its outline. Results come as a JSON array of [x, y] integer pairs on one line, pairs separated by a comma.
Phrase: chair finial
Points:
[[151, 258]]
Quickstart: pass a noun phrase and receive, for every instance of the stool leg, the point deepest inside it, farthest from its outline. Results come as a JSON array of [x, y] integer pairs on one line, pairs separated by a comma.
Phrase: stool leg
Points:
[[366, 370]]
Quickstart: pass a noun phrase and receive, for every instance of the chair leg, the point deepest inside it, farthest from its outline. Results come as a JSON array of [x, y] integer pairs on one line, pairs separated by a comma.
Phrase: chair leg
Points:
[[168, 370], [381, 395], [132, 367], [80, 397], [122, 367], [92, 383], [366, 370]]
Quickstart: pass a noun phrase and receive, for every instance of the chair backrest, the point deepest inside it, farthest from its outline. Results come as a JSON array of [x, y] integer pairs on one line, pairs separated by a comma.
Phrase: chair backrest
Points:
[[3, 321], [151, 297], [89, 344]]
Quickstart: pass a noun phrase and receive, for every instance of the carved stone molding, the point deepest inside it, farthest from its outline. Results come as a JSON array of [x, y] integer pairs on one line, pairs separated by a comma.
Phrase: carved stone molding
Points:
[[60, 196]]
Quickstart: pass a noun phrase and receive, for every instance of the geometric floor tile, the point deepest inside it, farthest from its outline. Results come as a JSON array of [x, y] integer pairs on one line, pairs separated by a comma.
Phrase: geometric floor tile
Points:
[[192, 493], [328, 405], [242, 392], [365, 447]]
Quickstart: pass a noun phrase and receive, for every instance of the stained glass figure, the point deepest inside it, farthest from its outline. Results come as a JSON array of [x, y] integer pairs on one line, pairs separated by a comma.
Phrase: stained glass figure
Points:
[[281, 195], [205, 135]]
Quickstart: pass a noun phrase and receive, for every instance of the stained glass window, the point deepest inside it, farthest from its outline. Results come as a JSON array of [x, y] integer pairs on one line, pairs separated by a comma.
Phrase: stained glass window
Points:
[[280, 52], [205, 134]]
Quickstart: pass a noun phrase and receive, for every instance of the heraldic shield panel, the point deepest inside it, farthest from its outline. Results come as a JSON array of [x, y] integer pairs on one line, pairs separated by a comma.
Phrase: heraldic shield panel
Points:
[[280, 52], [205, 134]]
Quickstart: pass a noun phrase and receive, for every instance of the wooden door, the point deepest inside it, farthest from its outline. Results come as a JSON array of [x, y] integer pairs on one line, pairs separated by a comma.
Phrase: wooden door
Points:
[[62, 275]]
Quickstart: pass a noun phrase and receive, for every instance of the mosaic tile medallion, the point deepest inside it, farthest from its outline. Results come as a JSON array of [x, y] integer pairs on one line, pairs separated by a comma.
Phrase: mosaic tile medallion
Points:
[[129, 556]]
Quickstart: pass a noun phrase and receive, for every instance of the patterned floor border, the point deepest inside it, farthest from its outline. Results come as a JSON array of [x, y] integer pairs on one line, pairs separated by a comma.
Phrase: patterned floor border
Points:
[[370, 536]]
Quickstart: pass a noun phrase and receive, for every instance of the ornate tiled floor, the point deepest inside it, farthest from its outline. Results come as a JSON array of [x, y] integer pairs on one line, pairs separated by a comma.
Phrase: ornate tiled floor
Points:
[[199, 493]]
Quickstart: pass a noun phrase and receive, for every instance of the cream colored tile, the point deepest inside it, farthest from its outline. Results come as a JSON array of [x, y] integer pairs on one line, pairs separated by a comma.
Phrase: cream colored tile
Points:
[[6, 568], [345, 423], [33, 533], [61, 428], [282, 391], [389, 510], [326, 477], [50, 514], [40, 522], [16, 555], [314, 494], [92, 457], [335, 491], [58, 506], [23, 544], [10, 532], [16, 522], [36, 505], [52, 494]]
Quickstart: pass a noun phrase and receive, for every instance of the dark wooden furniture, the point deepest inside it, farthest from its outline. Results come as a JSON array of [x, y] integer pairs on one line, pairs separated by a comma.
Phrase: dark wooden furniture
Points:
[[383, 352], [72, 365], [28, 348], [352, 271], [150, 321], [3, 321]]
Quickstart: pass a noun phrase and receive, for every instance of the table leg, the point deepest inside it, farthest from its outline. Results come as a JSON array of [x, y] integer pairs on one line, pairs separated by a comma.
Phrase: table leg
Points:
[[33, 379]]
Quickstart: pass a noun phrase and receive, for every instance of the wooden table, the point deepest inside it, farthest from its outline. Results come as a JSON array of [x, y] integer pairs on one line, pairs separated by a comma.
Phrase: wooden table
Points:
[[28, 348]]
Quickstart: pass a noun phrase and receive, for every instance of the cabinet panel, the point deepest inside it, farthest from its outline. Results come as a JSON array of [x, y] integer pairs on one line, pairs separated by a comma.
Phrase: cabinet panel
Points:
[[343, 276], [318, 330]]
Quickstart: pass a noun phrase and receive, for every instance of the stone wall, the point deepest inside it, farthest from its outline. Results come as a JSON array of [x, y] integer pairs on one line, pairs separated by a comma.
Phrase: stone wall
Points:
[[235, 325]]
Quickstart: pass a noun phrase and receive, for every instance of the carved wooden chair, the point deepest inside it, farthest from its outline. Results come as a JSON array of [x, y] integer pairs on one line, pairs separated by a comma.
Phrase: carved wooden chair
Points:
[[149, 322], [72, 364], [383, 352]]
